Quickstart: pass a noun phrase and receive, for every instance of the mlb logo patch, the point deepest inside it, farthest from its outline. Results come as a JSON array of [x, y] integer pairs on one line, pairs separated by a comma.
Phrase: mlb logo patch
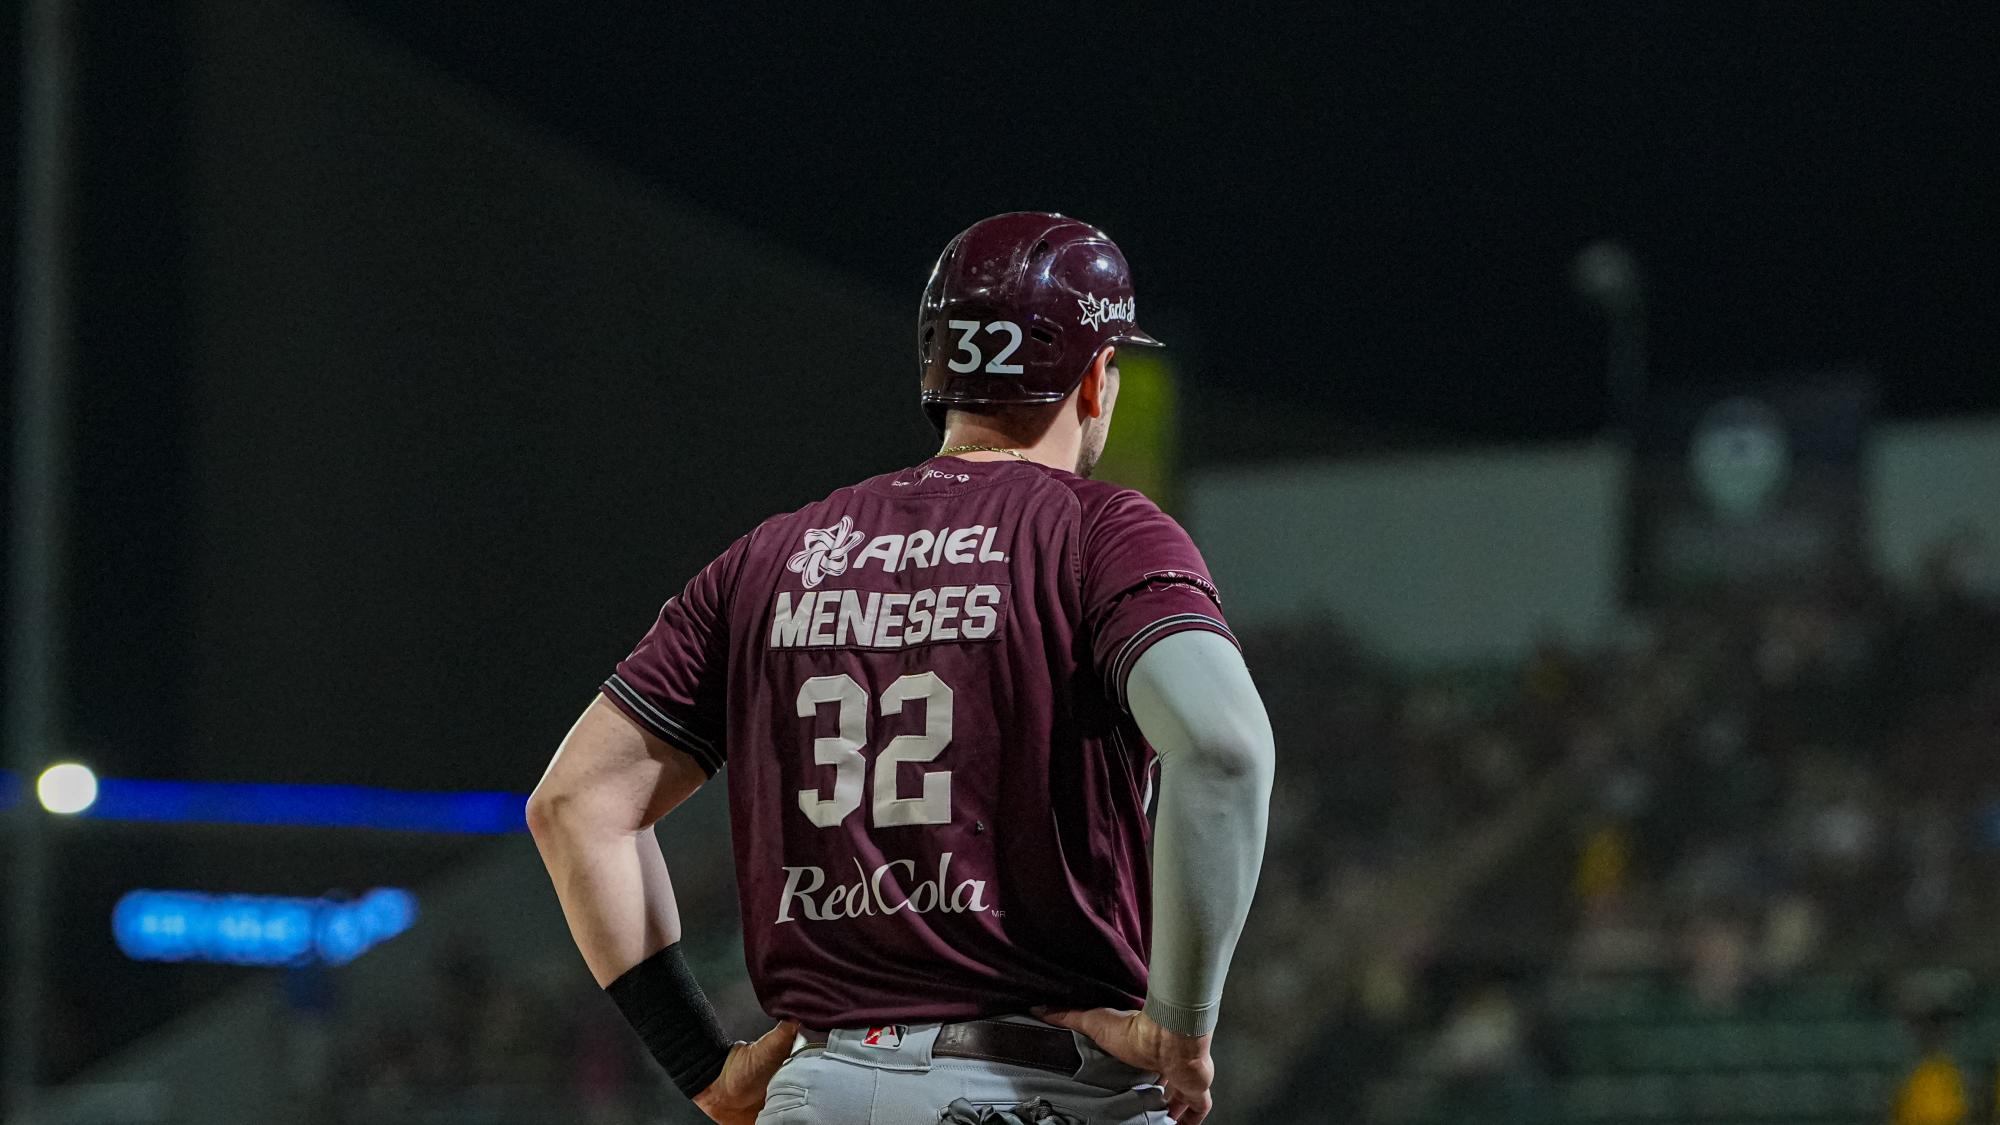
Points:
[[887, 1038]]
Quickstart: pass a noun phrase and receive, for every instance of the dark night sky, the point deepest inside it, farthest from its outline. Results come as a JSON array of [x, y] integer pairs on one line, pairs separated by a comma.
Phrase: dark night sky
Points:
[[1373, 212]]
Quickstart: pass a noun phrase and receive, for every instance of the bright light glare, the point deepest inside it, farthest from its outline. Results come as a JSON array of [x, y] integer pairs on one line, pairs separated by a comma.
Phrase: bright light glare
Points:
[[67, 788]]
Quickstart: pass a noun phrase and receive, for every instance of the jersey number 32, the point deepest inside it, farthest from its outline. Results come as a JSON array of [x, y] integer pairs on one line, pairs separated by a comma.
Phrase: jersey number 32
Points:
[[842, 751]]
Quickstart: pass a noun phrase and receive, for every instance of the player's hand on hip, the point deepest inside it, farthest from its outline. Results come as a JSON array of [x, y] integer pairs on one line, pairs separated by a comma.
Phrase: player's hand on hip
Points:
[[1133, 1038], [737, 1094]]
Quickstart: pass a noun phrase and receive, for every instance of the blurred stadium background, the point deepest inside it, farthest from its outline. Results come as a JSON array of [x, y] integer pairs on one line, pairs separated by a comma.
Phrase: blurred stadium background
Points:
[[1591, 413]]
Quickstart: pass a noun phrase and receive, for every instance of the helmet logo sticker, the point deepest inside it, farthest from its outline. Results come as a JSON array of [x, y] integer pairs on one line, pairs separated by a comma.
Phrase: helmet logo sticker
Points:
[[1097, 310], [825, 552]]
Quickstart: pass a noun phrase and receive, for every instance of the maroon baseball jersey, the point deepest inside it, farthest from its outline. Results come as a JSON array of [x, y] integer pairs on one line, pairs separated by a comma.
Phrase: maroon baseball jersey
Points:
[[937, 796]]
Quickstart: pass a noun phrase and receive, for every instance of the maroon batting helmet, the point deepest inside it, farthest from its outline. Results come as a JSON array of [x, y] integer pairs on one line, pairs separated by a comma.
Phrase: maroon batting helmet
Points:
[[1018, 308]]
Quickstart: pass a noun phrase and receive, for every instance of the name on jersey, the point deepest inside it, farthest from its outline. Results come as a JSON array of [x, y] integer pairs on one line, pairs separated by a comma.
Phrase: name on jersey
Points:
[[851, 618], [826, 552], [807, 896]]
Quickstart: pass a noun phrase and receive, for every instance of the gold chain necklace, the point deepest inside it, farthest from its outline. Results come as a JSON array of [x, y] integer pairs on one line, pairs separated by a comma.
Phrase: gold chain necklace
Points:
[[954, 450]]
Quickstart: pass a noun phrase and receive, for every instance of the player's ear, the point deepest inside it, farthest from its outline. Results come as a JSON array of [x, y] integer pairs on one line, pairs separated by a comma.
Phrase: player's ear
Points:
[[1094, 393]]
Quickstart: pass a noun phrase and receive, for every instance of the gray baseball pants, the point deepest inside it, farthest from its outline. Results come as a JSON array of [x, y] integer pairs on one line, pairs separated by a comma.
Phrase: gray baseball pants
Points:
[[849, 1083]]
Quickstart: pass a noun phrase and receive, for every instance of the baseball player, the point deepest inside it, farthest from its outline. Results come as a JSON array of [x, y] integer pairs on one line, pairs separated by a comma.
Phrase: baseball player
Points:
[[946, 696]]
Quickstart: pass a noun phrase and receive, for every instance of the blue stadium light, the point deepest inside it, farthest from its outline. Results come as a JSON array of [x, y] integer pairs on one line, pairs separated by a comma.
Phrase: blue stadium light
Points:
[[475, 813], [258, 929]]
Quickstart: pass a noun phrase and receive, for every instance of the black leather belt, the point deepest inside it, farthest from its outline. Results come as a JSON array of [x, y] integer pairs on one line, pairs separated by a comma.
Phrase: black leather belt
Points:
[[1016, 1044]]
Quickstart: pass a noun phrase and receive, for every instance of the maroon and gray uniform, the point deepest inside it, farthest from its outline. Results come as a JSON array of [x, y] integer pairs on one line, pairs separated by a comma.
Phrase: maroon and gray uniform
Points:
[[936, 792]]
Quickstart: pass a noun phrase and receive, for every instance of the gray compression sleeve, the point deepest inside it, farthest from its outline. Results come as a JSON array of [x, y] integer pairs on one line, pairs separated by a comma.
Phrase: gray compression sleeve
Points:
[[1193, 700]]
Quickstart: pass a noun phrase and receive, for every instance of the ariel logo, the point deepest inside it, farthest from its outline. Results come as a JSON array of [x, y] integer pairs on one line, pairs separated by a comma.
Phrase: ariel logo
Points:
[[825, 552]]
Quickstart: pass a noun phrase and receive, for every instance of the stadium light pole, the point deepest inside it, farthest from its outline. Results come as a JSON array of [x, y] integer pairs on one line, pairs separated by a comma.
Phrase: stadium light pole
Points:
[[1607, 275], [34, 585]]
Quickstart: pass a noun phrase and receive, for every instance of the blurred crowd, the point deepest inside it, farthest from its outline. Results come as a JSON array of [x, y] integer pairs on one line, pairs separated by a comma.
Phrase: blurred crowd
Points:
[[490, 1045], [1734, 791], [480, 1035]]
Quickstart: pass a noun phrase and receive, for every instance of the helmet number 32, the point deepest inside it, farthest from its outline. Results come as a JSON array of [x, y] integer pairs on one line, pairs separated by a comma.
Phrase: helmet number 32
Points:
[[967, 358], [842, 751]]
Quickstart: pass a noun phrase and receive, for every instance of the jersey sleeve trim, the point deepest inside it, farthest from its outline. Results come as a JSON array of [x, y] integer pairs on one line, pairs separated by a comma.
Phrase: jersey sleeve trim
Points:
[[704, 751], [1135, 647]]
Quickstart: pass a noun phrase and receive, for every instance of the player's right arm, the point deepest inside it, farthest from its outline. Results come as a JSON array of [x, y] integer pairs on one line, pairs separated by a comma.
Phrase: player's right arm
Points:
[[1194, 701], [1168, 658]]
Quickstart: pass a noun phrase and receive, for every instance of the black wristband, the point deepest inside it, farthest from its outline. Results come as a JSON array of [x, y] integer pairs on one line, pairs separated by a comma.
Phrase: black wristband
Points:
[[664, 1004]]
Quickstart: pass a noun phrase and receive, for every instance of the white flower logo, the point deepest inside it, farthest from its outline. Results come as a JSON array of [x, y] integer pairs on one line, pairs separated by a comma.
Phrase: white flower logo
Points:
[[825, 552]]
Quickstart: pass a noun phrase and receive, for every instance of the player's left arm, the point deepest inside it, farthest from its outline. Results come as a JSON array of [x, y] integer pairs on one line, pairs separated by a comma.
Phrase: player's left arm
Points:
[[592, 817], [648, 741]]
